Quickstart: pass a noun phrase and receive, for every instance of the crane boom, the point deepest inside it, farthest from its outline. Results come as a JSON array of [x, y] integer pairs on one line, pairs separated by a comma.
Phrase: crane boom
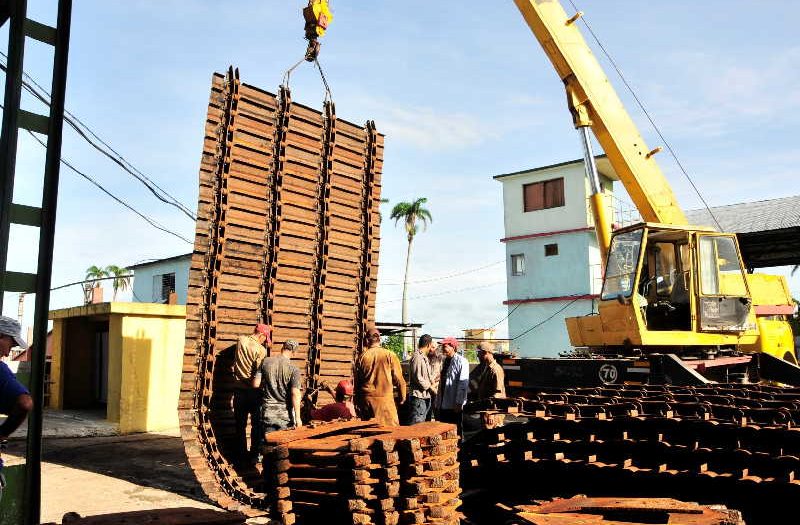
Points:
[[594, 103]]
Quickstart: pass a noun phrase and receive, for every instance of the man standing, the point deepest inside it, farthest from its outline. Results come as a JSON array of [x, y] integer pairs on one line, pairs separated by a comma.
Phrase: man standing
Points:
[[378, 373], [15, 400], [250, 352], [421, 379], [343, 407], [279, 381], [453, 385], [488, 378]]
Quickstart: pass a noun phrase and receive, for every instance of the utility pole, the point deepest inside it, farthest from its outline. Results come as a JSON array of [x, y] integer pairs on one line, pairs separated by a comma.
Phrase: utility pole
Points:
[[21, 308]]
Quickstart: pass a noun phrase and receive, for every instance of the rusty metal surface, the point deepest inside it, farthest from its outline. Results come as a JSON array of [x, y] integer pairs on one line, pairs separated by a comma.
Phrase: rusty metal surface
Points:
[[362, 473], [738, 445], [287, 234], [581, 510]]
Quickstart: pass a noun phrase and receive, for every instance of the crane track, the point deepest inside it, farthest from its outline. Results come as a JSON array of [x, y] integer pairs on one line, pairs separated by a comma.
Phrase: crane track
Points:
[[287, 234], [732, 444]]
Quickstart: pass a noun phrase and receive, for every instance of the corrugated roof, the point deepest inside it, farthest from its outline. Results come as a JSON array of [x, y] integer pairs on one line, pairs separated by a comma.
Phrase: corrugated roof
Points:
[[747, 217]]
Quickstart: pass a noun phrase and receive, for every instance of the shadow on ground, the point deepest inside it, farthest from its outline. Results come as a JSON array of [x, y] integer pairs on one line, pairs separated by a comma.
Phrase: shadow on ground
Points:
[[178, 516], [152, 460]]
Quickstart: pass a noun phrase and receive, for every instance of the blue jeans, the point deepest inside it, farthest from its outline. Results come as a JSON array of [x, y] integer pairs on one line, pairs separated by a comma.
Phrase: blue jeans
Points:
[[418, 409]]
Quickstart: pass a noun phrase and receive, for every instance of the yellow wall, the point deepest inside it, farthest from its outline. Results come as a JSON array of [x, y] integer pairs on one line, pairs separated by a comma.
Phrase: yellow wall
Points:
[[145, 354], [152, 357], [114, 368], [56, 399]]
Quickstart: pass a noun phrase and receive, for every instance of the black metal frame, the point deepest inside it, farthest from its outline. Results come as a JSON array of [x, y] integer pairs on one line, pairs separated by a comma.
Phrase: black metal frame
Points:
[[43, 217]]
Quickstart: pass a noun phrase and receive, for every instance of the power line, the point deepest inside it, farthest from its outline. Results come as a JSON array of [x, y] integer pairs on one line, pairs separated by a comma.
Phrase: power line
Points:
[[76, 124], [647, 114], [150, 221], [90, 281], [537, 325], [444, 293], [450, 276]]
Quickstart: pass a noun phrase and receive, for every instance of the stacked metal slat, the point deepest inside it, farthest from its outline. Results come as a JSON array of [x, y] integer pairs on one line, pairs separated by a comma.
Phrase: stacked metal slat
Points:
[[287, 234], [728, 444], [363, 474], [611, 511]]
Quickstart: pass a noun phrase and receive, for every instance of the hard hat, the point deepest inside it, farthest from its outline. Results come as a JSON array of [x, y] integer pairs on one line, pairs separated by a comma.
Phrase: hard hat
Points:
[[344, 388]]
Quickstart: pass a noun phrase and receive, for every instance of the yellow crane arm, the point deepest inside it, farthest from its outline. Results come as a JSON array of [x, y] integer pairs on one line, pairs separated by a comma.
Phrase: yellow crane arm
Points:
[[594, 103]]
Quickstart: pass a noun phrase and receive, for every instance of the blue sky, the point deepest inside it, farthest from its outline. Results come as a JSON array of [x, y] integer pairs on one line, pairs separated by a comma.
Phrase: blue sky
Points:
[[462, 91]]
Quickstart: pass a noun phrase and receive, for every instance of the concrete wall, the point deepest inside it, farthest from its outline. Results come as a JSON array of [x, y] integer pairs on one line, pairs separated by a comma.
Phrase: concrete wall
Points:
[[548, 339], [567, 273], [143, 291], [145, 358], [575, 271], [151, 362]]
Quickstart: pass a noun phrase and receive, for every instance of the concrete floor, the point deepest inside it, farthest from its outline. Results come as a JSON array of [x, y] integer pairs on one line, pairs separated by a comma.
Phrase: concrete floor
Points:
[[101, 475]]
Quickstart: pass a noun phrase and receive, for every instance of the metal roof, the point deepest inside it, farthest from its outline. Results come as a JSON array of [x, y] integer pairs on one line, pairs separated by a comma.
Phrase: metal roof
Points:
[[768, 230], [159, 261], [748, 217]]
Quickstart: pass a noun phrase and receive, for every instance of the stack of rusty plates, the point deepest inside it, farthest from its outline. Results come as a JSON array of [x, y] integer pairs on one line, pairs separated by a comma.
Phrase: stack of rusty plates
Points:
[[362, 473]]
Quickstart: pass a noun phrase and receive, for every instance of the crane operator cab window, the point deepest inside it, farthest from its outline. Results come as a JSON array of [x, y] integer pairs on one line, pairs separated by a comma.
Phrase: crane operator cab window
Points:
[[621, 265], [665, 281], [724, 302]]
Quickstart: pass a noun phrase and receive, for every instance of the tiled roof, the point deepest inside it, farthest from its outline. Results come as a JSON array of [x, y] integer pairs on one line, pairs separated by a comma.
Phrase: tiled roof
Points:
[[747, 217]]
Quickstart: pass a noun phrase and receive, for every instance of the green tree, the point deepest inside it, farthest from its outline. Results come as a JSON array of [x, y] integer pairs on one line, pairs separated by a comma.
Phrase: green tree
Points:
[[794, 322], [92, 272], [122, 278], [410, 213], [394, 343]]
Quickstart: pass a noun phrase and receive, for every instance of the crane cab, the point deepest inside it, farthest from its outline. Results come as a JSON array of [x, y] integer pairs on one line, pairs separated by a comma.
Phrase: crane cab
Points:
[[670, 289]]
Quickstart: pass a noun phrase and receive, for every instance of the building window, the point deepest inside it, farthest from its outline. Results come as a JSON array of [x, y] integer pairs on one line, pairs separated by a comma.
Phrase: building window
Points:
[[550, 250], [543, 195], [518, 264], [163, 285]]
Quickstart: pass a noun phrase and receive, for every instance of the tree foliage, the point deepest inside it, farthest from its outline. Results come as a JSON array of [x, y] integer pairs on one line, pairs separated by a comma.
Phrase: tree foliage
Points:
[[394, 343]]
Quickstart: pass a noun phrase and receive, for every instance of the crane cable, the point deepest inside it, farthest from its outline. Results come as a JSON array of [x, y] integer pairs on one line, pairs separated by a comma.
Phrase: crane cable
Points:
[[647, 114], [288, 73]]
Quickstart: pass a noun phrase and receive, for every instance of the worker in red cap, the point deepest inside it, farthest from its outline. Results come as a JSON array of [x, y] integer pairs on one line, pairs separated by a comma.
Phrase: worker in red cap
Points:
[[250, 351], [343, 407]]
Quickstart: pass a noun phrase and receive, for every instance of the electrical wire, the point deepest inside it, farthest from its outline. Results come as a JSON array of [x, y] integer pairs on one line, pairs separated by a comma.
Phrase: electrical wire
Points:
[[442, 278], [150, 221], [537, 325], [90, 281], [647, 114], [444, 293], [76, 124]]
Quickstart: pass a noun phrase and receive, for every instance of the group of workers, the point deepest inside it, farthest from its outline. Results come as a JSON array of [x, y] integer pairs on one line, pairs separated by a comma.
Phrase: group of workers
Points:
[[268, 390]]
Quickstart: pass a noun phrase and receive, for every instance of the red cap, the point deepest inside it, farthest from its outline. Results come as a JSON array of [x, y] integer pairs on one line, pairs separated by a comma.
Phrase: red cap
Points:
[[345, 387], [452, 341], [265, 330]]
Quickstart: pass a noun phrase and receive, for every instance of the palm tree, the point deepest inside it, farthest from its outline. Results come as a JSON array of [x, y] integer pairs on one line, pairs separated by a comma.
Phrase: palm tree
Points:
[[410, 212], [122, 278], [92, 272]]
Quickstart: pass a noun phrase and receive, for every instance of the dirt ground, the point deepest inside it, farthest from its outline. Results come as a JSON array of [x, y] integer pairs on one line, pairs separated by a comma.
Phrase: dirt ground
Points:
[[101, 475]]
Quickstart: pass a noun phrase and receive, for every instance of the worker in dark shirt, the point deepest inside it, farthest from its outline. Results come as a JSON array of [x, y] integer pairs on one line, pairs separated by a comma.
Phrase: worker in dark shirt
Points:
[[279, 381], [15, 400]]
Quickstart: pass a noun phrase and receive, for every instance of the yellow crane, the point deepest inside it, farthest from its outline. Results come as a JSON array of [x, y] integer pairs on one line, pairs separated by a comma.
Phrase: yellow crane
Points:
[[668, 287]]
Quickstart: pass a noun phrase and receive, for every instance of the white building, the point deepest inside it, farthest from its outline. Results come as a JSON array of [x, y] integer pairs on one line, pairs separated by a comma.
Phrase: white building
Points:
[[552, 258], [154, 281]]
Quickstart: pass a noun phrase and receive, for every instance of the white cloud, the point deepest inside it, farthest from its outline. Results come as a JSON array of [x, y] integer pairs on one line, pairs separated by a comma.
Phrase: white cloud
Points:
[[432, 130]]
